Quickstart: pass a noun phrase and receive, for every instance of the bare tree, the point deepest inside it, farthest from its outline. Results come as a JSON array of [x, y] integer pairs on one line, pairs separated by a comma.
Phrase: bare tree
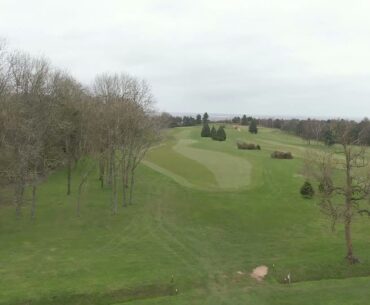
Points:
[[126, 107], [344, 182], [67, 95], [28, 113]]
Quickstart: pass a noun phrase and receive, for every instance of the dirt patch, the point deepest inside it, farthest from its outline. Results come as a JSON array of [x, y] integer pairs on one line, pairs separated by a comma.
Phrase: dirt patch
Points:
[[259, 273]]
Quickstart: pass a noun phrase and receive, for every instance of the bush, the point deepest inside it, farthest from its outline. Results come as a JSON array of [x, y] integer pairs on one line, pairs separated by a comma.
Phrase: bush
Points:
[[206, 132], [326, 186], [307, 190], [220, 134], [281, 155], [213, 133], [248, 146]]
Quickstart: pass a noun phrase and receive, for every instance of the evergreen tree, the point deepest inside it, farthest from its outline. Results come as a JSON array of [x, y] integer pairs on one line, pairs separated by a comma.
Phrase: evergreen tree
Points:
[[220, 134], [244, 120], [307, 190], [198, 119], [213, 133], [253, 126], [206, 132], [205, 118], [329, 137]]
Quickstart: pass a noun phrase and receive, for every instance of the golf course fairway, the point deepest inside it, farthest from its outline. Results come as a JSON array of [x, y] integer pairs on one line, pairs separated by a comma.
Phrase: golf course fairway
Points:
[[204, 215]]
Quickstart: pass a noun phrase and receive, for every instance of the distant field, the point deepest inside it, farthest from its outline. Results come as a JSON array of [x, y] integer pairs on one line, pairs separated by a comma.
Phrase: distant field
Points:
[[203, 210]]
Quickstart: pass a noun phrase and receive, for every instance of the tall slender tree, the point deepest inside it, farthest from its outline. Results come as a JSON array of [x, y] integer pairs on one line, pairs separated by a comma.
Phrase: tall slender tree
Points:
[[344, 183], [253, 126]]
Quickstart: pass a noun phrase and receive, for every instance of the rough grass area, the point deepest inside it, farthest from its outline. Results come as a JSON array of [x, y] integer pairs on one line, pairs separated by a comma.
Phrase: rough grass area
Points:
[[200, 237]]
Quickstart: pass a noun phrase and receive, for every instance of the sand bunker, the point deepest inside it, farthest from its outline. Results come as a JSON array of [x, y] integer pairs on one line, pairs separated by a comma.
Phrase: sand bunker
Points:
[[259, 272]]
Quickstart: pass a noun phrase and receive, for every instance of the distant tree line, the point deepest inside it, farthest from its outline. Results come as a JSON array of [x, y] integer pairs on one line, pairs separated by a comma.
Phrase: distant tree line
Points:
[[49, 120], [178, 121], [244, 120], [326, 131]]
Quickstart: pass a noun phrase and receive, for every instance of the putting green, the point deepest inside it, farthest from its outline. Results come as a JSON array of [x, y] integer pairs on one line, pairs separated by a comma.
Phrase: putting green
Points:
[[229, 172]]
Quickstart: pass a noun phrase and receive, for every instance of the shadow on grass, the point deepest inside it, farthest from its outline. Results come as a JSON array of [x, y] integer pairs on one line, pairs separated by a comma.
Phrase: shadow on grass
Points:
[[108, 298]]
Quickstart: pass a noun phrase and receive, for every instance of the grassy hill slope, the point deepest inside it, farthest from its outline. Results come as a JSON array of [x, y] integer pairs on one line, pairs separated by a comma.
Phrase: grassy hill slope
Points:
[[193, 218]]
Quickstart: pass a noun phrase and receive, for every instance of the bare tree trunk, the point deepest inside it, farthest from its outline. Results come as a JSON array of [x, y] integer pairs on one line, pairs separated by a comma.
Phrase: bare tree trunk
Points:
[[124, 183], [114, 187], [348, 208], [33, 204], [348, 235], [110, 168], [18, 195], [78, 208], [69, 175], [101, 171], [80, 188], [131, 185]]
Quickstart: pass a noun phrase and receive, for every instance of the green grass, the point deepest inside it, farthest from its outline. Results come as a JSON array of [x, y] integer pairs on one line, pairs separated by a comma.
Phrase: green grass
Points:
[[180, 225]]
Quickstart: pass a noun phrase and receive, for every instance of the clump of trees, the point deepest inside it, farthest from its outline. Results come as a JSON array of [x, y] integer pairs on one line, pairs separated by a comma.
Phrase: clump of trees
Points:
[[170, 121], [281, 155], [244, 120], [307, 190], [206, 131], [219, 135], [236, 120], [48, 121], [248, 146]]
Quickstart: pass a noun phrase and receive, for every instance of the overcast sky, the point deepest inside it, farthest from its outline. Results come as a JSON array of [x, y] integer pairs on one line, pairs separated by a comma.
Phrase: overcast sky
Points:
[[277, 57]]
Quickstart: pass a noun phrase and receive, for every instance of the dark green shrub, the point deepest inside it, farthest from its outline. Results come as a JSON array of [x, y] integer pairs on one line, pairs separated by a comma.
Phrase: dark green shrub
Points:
[[248, 146], [307, 190], [281, 155], [329, 137], [213, 133], [253, 126], [220, 134], [206, 132]]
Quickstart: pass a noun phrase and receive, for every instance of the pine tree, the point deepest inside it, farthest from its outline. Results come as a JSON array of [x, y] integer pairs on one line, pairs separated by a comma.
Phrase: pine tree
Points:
[[213, 133], [220, 134], [329, 137], [198, 119], [205, 118], [307, 190], [244, 120], [206, 132], [253, 126]]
